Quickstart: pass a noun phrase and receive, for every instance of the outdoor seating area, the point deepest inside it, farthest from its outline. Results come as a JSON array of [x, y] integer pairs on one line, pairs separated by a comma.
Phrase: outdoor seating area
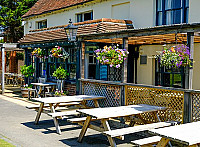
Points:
[[116, 121], [75, 109], [14, 79]]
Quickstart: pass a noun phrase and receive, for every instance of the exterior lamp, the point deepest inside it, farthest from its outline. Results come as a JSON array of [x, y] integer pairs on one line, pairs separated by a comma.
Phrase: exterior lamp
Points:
[[71, 31]]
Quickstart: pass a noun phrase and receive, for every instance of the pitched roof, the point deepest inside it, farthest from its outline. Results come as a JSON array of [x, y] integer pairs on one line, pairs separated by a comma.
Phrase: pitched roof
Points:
[[44, 6], [58, 33]]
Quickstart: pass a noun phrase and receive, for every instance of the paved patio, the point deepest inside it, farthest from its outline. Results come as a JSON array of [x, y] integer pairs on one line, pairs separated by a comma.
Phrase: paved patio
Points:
[[17, 127]]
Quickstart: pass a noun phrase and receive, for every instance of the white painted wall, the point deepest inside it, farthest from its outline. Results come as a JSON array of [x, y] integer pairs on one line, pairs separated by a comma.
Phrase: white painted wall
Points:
[[146, 72], [194, 11], [196, 67], [141, 12]]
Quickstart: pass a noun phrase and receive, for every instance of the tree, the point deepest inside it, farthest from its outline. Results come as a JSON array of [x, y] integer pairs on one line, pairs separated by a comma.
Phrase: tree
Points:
[[10, 17]]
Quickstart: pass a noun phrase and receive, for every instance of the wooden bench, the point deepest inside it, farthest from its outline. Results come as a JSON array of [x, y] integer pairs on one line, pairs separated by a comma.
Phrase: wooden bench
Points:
[[47, 105], [63, 114], [129, 130], [149, 141]]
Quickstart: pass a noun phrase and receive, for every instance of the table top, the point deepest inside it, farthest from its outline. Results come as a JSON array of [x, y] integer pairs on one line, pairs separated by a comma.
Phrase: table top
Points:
[[44, 84], [113, 112], [67, 99], [185, 133]]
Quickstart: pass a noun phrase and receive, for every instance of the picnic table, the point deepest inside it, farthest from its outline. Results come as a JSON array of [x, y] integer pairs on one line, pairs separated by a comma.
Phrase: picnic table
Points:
[[41, 87], [187, 134], [104, 114], [54, 102]]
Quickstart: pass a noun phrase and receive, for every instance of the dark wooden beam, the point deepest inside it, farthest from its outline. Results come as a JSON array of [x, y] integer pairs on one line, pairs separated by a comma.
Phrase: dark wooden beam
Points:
[[158, 30]]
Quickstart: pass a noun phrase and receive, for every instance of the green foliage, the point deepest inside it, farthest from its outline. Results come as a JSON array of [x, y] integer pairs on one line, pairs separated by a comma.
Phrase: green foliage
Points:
[[60, 73], [20, 56], [27, 70], [10, 17], [111, 55]]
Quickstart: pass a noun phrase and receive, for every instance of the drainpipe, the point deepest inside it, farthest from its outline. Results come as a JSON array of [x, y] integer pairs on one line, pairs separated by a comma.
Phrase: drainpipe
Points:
[[3, 68]]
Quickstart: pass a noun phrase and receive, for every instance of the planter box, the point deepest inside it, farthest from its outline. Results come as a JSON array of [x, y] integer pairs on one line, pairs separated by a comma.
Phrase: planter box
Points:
[[24, 92]]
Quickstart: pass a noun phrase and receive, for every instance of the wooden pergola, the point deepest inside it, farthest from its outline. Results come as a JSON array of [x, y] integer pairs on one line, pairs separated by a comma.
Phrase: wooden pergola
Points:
[[5, 46], [169, 34]]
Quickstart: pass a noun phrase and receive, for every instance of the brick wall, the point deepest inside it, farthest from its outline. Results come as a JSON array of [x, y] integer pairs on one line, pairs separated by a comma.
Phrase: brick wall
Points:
[[20, 63], [71, 88]]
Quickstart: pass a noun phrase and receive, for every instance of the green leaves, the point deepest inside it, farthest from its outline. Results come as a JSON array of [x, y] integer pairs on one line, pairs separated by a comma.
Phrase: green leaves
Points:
[[10, 17], [27, 70], [60, 73]]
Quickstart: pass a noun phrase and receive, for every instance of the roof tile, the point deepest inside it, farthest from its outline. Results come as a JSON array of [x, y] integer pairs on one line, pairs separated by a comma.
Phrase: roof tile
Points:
[[43, 6], [58, 33]]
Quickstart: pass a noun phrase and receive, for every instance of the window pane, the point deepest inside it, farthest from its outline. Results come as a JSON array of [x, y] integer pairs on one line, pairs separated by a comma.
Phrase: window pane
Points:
[[168, 4], [159, 18], [176, 4], [169, 17], [177, 16], [186, 3], [186, 15], [79, 18], [72, 71], [88, 16], [159, 5]]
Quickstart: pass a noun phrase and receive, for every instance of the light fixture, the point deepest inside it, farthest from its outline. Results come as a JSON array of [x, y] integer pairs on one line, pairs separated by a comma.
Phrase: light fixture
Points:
[[71, 31]]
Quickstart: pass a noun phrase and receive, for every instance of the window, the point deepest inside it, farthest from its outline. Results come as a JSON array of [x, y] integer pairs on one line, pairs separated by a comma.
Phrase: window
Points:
[[171, 11], [91, 62], [169, 77], [42, 24], [72, 62], [84, 16]]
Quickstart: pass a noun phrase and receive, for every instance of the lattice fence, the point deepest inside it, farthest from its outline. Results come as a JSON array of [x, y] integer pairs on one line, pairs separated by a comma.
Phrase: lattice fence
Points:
[[114, 74], [195, 106], [111, 92], [173, 100]]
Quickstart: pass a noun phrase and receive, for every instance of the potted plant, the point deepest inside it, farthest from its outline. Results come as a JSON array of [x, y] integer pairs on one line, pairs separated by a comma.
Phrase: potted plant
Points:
[[60, 74], [111, 55], [26, 71], [60, 93], [175, 57], [38, 52], [58, 52]]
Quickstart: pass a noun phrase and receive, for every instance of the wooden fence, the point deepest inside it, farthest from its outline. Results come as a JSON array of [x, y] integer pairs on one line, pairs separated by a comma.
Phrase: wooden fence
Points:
[[182, 105]]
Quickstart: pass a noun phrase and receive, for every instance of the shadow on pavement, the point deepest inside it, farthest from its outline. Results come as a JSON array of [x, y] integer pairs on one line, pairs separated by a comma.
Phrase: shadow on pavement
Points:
[[49, 126]]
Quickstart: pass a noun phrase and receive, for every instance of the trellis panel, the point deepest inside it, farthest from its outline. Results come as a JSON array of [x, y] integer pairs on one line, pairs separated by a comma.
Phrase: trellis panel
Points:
[[195, 106], [111, 92], [172, 99]]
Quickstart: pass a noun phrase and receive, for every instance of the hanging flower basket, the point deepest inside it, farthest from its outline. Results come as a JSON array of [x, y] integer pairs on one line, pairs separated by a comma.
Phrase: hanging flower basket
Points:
[[175, 57], [111, 55], [38, 52], [58, 52]]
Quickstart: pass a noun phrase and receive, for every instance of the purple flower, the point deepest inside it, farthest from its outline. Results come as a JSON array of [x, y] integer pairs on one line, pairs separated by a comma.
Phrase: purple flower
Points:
[[118, 65]]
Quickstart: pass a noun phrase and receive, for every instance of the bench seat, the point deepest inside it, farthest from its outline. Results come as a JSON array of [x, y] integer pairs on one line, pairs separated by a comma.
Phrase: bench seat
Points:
[[63, 114], [148, 141], [47, 106], [80, 119], [135, 129]]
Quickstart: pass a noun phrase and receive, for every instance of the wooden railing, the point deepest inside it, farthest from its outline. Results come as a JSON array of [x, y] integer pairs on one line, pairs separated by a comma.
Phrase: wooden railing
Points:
[[182, 105]]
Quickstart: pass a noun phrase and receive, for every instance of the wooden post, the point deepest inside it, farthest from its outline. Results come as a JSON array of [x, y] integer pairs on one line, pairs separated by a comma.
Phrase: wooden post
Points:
[[82, 60], [3, 68], [187, 113], [189, 70], [124, 74]]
